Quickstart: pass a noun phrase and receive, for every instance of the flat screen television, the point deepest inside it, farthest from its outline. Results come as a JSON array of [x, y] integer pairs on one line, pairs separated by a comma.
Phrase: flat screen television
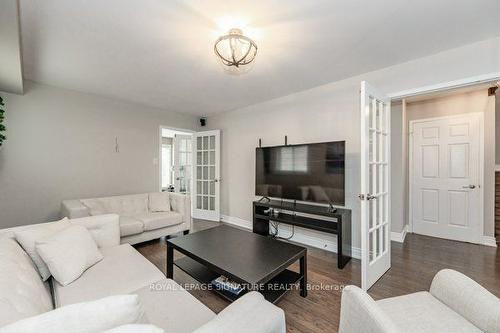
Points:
[[306, 172]]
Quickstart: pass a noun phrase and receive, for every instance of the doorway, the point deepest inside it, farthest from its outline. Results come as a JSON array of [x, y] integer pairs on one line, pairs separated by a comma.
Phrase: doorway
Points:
[[176, 160], [473, 202], [446, 164], [446, 156]]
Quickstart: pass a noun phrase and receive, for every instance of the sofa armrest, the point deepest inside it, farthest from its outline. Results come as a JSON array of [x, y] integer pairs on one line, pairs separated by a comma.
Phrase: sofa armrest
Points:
[[468, 298], [359, 313], [74, 209], [249, 314], [181, 203], [105, 229]]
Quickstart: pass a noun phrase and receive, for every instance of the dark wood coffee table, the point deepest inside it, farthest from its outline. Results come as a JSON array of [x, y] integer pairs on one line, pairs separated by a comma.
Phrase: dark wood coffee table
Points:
[[256, 261]]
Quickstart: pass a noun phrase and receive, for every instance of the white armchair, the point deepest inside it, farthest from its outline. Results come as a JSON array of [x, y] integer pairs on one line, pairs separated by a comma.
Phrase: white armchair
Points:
[[455, 303]]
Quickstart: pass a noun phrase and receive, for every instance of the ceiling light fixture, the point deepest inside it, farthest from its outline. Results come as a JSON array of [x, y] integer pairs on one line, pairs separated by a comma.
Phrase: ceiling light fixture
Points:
[[235, 51]]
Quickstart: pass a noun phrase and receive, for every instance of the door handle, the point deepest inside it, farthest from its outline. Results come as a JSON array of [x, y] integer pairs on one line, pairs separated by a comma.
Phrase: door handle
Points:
[[469, 187], [370, 197], [367, 197]]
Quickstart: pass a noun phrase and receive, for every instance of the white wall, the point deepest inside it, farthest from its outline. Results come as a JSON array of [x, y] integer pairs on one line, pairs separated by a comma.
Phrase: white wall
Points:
[[329, 112], [11, 72], [398, 168], [476, 101], [61, 145]]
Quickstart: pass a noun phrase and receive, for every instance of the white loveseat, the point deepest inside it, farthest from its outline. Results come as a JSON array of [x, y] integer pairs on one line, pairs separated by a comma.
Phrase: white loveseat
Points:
[[138, 223], [455, 303], [123, 270]]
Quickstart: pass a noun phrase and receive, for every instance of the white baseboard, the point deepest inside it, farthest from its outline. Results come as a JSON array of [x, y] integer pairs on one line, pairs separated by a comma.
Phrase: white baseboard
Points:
[[489, 241], [299, 237], [399, 236], [236, 221]]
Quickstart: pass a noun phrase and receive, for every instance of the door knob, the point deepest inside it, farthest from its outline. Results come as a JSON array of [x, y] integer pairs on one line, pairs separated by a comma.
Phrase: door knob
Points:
[[469, 187]]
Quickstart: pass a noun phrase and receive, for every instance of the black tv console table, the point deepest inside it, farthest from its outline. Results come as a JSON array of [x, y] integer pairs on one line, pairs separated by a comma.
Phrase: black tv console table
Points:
[[287, 215]]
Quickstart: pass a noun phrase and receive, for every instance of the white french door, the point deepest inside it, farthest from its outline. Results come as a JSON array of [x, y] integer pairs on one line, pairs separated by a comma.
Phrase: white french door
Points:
[[375, 185], [206, 189], [182, 163], [446, 177]]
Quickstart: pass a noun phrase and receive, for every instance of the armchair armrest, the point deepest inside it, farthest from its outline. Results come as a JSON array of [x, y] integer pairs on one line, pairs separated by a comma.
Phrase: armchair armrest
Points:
[[105, 229], [359, 313], [74, 209], [181, 203], [467, 298], [249, 314]]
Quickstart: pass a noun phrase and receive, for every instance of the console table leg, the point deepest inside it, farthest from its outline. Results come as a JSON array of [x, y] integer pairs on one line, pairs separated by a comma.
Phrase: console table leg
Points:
[[303, 272], [170, 262]]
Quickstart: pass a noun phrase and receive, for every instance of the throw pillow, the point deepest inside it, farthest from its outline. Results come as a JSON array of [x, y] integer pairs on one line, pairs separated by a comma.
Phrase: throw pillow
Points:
[[89, 317], [136, 328], [159, 202], [69, 253], [28, 237]]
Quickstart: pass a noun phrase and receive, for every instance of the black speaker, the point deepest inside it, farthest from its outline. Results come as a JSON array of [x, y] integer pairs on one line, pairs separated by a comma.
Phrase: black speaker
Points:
[[203, 122]]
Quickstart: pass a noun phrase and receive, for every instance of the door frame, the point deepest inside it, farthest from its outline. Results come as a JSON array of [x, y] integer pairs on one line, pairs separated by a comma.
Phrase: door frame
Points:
[[444, 86], [159, 160], [479, 236]]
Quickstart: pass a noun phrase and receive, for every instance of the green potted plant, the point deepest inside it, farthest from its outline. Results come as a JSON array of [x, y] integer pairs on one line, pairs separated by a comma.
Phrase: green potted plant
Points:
[[2, 126]]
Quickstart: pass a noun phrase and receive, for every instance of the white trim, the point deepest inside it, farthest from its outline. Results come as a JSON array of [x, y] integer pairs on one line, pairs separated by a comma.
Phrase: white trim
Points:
[[399, 236], [317, 242], [489, 241], [236, 221], [471, 81], [479, 237], [497, 167]]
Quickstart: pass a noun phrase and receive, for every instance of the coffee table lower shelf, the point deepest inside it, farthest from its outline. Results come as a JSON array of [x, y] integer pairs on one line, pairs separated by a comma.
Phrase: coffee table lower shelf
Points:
[[274, 290]]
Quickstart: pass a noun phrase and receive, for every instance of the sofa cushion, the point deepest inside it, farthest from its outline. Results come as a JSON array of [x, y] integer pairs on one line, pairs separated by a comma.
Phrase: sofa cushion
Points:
[[154, 221], [69, 253], [22, 292], [421, 312], [27, 237], [89, 317], [95, 206], [130, 226], [159, 202], [135, 328], [172, 308], [121, 271], [128, 205]]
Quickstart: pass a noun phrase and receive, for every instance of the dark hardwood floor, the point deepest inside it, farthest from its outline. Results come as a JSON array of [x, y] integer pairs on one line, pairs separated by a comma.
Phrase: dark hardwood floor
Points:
[[414, 264]]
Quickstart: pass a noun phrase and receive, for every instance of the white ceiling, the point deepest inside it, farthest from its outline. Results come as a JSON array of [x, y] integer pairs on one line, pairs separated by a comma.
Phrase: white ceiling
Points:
[[160, 52]]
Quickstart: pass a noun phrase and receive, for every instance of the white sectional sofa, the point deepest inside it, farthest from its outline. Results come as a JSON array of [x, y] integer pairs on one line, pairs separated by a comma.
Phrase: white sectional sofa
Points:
[[123, 271], [138, 221], [455, 303]]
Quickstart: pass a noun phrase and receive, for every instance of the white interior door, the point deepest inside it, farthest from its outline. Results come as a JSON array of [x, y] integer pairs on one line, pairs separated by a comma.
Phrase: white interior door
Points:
[[375, 185], [445, 177], [206, 191], [182, 163]]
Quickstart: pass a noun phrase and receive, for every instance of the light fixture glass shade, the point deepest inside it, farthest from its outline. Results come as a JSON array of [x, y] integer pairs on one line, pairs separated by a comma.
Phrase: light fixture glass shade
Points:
[[235, 51]]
